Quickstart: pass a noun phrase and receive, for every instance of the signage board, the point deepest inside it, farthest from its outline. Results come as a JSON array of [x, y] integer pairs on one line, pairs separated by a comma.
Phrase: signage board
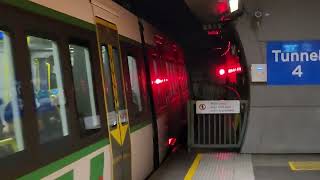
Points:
[[218, 107], [293, 63]]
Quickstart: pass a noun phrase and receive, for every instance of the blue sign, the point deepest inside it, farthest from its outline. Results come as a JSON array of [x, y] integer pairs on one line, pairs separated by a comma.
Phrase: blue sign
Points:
[[293, 62]]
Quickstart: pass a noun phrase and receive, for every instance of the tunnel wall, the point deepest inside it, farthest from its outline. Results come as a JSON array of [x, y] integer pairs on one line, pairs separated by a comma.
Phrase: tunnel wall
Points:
[[282, 119]]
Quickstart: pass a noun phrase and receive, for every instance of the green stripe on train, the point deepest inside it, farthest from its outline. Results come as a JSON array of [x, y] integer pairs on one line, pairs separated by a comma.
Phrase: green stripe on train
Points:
[[66, 176], [57, 165], [96, 167], [42, 10]]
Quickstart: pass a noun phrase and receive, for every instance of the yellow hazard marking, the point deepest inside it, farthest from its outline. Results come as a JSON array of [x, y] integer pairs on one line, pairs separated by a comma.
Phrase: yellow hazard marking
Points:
[[304, 165], [117, 136], [193, 167], [123, 130]]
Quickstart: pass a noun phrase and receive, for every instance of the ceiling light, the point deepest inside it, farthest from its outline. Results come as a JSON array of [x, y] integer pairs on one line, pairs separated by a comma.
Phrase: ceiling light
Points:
[[234, 5]]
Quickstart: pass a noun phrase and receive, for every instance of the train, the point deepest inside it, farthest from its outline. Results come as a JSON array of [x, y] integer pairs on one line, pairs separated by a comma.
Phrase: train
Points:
[[88, 91]]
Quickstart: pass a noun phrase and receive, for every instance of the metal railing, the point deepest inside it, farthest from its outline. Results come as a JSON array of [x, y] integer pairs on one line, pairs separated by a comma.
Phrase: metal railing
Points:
[[216, 130]]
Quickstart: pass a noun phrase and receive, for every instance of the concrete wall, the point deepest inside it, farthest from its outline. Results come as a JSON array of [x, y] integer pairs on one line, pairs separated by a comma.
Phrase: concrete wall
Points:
[[282, 119]]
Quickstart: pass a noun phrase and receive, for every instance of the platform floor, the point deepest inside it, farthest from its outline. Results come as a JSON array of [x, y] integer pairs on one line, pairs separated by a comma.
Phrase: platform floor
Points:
[[232, 166]]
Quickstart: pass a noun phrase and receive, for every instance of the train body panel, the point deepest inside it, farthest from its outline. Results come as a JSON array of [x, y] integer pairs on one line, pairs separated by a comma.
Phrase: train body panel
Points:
[[126, 22], [80, 9], [142, 152]]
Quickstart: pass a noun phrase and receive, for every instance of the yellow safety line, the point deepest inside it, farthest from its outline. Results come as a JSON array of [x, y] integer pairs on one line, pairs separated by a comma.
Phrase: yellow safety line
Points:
[[304, 165], [193, 167], [292, 167]]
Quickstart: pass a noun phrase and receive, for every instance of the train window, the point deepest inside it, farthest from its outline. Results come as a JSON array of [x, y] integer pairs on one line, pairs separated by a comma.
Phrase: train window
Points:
[[118, 73], [48, 89], [84, 91], [134, 80], [11, 139]]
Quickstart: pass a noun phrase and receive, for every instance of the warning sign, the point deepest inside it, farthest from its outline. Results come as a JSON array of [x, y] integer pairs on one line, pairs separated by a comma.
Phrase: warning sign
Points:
[[218, 107]]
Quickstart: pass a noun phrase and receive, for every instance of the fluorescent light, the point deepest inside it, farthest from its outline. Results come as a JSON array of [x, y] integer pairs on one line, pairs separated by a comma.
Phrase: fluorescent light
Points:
[[234, 5]]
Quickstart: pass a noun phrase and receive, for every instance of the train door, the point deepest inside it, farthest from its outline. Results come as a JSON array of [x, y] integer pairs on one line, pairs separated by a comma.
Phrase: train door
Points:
[[118, 121]]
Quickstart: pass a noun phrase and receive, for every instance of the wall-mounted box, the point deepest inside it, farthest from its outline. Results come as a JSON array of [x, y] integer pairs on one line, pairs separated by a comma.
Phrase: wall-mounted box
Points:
[[258, 73]]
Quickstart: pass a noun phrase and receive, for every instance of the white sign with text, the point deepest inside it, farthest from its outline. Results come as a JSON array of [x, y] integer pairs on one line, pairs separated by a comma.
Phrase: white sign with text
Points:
[[218, 107]]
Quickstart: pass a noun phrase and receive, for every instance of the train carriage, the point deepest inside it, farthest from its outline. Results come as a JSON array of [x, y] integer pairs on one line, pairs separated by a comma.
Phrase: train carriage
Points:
[[74, 99]]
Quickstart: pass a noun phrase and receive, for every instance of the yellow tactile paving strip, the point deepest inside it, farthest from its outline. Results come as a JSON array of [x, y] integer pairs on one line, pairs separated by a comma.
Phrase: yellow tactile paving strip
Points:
[[222, 165], [304, 165], [193, 167]]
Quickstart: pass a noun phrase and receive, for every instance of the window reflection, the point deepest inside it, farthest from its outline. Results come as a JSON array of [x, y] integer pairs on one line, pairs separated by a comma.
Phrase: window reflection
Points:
[[11, 105], [134, 80], [83, 83], [48, 88]]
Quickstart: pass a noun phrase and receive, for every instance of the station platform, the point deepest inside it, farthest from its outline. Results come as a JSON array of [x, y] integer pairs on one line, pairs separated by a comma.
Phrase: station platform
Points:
[[235, 166]]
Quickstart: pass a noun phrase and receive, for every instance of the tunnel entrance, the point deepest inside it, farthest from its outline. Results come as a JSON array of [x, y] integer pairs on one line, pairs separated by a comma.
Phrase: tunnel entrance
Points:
[[220, 73], [220, 94]]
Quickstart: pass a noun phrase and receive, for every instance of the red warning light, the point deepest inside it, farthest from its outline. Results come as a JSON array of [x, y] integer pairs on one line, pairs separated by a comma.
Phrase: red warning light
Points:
[[221, 7], [222, 72], [228, 73], [214, 32], [235, 69], [172, 141], [158, 81]]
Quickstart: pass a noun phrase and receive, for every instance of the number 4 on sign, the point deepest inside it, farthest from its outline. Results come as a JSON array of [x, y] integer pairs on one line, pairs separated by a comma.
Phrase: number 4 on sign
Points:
[[297, 71]]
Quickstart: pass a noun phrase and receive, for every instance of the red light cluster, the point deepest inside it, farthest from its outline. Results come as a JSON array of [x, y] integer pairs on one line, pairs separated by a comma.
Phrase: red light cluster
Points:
[[168, 74], [159, 81], [222, 71], [231, 68], [158, 39], [235, 69]]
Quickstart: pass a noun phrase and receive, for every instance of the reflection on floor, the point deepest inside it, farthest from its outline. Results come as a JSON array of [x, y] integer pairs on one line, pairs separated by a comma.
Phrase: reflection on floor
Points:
[[231, 166]]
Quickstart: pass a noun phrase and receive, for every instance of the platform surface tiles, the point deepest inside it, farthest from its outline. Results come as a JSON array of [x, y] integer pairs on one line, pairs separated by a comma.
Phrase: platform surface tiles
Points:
[[226, 166], [234, 166]]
